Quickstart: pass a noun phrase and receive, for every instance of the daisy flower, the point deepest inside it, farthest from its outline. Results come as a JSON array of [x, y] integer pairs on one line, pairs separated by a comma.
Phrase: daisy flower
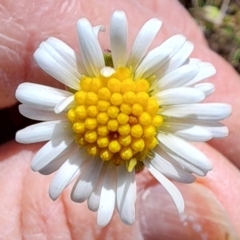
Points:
[[121, 111]]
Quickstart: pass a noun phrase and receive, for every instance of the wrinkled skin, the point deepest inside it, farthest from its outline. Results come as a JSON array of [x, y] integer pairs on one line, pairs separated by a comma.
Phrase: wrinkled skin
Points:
[[27, 212]]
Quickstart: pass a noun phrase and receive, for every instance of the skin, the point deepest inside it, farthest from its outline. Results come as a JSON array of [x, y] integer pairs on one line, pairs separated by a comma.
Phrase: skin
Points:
[[27, 212]]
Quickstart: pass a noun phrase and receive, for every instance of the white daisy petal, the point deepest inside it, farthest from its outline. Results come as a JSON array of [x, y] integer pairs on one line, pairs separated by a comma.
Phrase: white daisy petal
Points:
[[177, 77], [90, 48], [173, 158], [39, 114], [168, 185], [142, 42], [179, 96], [193, 61], [50, 151], [217, 129], [207, 88], [175, 43], [185, 150], [206, 70], [94, 198], [64, 105], [82, 145], [188, 132], [154, 59], [54, 165], [40, 96], [107, 197], [55, 68], [126, 195], [44, 131], [177, 60], [87, 180], [118, 38], [52, 48], [64, 176], [203, 111], [170, 170], [68, 54], [98, 28]]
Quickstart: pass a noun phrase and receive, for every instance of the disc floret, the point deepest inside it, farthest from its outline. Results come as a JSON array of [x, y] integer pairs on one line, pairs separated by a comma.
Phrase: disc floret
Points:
[[115, 117]]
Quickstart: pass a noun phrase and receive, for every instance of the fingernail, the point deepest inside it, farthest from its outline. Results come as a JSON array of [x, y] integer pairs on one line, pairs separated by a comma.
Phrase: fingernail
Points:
[[204, 218]]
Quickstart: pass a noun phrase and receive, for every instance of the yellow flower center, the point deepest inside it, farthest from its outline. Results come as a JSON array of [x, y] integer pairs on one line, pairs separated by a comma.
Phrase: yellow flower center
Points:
[[115, 118]]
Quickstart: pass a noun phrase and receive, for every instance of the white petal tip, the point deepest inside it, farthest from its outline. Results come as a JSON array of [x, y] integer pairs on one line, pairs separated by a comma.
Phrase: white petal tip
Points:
[[18, 137], [129, 221], [119, 13], [53, 196], [102, 224], [107, 71]]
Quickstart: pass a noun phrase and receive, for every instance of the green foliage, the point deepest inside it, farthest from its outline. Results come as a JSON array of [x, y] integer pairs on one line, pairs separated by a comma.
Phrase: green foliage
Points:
[[220, 22]]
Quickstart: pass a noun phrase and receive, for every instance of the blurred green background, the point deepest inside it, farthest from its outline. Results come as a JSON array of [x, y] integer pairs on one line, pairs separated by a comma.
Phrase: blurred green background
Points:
[[220, 22], [218, 19]]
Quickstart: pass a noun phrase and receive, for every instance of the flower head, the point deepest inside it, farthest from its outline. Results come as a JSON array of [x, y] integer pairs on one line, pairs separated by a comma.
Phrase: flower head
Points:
[[121, 112]]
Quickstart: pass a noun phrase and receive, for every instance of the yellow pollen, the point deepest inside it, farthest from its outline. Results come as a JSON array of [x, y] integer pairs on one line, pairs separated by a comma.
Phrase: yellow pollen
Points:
[[105, 154], [150, 143], [126, 153], [126, 108], [91, 98], [79, 127], [137, 109], [152, 106], [93, 149], [115, 118], [114, 146], [102, 130], [123, 73], [149, 131], [145, 118], [103, 105], [124, 129], [103, 142], [96, 85], [80, 97], [71, 115], [116, 99], [122, 118], [104, 93], [142, 98], [91, 123], [138, 144], [92, 111], [125, 140], [129, 97], [102, 118], [86, 84], [112, 125], [136, 131], [81, 112], [157, 121], [113, 111], [90, 136], [128, 85], [114, 85], [142, 85]]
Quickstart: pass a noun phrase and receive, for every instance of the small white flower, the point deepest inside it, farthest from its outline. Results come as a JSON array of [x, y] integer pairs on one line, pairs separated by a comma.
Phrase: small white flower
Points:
[[120, 113]]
